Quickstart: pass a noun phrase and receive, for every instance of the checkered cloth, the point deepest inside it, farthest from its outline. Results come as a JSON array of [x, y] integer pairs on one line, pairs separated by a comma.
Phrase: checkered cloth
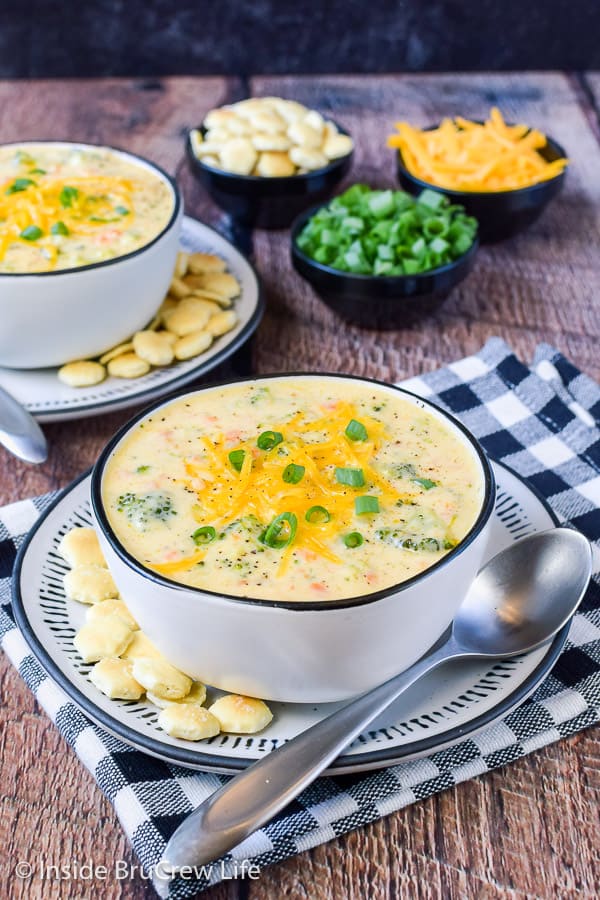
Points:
[[544, 422]]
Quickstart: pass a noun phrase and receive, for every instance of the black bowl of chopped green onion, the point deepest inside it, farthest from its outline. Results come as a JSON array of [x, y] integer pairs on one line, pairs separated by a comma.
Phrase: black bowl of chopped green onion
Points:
[[383, 258]]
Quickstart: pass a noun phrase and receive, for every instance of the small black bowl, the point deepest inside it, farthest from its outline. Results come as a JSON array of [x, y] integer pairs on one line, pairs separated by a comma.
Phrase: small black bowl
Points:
[[501, 214], [268, 202], [383, 302]]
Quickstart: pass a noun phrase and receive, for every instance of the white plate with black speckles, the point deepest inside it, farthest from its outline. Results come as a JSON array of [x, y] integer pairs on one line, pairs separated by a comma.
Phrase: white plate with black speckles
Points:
[[452, 703], [49, 400]]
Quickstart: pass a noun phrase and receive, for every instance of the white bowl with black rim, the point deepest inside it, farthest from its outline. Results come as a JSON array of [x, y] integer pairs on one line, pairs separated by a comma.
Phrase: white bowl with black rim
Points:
[[50, 318], [302, 652]]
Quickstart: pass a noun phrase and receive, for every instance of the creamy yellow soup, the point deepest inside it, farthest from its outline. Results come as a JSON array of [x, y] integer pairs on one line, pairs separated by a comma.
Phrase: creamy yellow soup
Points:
[[294, 489], [62, 207]]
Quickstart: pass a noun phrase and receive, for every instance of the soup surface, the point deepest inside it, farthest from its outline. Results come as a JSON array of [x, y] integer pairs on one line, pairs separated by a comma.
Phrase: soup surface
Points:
[[293, 489], [62, 207]]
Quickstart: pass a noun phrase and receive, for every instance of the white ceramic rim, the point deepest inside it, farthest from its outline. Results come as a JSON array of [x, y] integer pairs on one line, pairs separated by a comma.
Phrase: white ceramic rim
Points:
[[486, 510], [138, 160]]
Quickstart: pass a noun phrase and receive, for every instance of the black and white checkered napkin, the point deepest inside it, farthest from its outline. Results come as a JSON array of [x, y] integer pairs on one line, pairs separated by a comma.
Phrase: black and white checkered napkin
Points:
[[544, 422]]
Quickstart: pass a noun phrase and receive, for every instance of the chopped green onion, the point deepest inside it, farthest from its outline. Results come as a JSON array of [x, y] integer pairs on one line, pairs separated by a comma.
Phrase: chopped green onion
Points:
[[432, 199], [59, 228], [354, 539], [425, 483], [236, 458], [23, 158], [364, 505], [387, 233], [204, 535], [356, 431], [439, 245], [352, 477], [68, 195], [285, 523], [18, 185], [317, 515], [31, 233], [37, 172], [381, 203], [122, 210], [293, 473], [142, 469], [269, 439]]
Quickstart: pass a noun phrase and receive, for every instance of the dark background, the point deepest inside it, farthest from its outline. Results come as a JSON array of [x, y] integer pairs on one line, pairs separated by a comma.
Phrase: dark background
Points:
[[41, 38]]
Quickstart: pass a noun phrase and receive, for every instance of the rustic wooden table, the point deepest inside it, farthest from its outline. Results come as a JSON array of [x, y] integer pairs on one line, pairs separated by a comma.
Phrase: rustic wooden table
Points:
[[525, 831]]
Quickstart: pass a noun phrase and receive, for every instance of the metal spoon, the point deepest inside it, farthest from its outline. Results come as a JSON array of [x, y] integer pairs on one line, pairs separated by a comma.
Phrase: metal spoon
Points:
[[19, 432], [518, 601]]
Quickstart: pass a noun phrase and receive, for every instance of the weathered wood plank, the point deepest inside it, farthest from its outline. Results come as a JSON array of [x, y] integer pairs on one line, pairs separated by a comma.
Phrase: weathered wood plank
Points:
[[589, 92]]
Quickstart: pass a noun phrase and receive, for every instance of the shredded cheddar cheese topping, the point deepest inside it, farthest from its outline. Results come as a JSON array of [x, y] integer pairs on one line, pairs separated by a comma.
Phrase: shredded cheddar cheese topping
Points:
[[37, 206], [318, 446], [300, 487], [468, 156]]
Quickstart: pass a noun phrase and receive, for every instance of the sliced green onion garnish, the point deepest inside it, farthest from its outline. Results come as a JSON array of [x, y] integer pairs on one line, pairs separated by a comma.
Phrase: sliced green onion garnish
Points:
[[317, 515], [432, 199], [141, 469], [236, 458], [353, 477], [281, 531], [425, 483], [18, 185], [356, 431], [204, 535], [122, 210], [364, 505], [354, 539], [269, 439], [59, 228], [67, 195], [31, 233], [292, 474]]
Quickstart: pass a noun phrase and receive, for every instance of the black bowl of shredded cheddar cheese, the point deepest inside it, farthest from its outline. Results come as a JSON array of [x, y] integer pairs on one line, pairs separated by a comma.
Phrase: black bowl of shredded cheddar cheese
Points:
[[504, 175]]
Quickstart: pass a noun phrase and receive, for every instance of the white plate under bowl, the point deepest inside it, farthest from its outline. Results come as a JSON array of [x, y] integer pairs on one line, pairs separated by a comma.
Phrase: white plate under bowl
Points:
[[449, 704], [49, 400]]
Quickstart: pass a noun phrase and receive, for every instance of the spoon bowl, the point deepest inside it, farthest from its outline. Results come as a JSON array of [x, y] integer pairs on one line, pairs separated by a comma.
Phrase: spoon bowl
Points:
[[19, 432], [519, 600]]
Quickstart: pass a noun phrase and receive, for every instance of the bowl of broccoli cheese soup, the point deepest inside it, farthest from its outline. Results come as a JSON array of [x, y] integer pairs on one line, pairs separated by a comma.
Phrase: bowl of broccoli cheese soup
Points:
[[293, 537], [88, 241]]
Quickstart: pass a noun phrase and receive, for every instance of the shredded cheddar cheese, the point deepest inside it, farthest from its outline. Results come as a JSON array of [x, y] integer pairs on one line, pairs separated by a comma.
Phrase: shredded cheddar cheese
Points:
[[77, 206], [299, 488], [468, 156], [63, 206], [258, 489]]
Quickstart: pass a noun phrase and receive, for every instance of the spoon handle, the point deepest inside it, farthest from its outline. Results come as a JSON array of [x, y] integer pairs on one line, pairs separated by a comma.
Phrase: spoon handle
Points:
[[253, 797], [19, 432]]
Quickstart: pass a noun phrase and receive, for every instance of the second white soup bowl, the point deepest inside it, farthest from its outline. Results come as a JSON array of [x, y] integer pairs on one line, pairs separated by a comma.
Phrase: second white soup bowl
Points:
[[50, 318], [298, 652]]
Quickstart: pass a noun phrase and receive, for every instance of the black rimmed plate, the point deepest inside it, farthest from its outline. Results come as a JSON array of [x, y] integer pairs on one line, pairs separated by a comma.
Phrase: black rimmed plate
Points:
[[49, 400], [456, 701]]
